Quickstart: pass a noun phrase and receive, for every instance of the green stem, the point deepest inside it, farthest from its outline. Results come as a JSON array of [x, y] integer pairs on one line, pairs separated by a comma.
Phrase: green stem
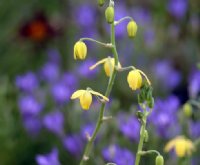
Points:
[[141, 142], [108, 45], [122, 19], [149, 152], [107, 93]]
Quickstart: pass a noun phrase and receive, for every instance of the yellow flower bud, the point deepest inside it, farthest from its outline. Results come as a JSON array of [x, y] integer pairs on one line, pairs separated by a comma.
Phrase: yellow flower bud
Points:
[[85, 97], [159, 160], [101, 2], [132, 29], [110, 13], [109, 64], [134, 79], [80, 50], [86, 100], [187, 109]]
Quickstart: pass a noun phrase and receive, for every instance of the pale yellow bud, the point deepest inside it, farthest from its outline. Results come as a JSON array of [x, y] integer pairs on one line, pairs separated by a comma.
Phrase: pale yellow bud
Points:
[[132, 29], [80, 50], [134, 79], [86, 100]]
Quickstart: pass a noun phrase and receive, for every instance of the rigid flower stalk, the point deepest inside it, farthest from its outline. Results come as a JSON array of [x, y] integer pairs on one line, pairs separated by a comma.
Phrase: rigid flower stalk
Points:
[[80, 50], [85, 97], [109, 64], [181, 145]]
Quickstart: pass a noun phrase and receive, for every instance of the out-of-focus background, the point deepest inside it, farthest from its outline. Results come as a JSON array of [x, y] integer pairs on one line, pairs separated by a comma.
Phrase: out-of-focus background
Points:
[[39, 124]]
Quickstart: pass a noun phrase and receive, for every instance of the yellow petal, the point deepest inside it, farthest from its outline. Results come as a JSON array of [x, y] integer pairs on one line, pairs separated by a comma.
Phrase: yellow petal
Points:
[[99, 94], [170, 145], [86, 100], [109, 65], [134, 79], [98, 63], [77, 94], [180, 147]]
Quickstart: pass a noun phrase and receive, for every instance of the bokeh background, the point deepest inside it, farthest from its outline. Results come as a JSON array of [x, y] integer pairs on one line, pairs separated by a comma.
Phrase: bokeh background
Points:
[[39, 124]]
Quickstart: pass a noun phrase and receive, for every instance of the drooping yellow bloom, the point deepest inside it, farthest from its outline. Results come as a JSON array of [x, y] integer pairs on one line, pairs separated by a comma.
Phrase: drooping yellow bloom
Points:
[[108, 65], [110, 14], [132, 29], [80, 50], [134, 79], [181, 145], [85, 97], [159, 160]]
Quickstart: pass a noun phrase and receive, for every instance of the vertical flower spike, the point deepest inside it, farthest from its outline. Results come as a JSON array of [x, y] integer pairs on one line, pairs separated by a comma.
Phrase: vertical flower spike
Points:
[[132, 29], [101, 2], [80, 50], [159, 160], [110, 13], [134, 79]]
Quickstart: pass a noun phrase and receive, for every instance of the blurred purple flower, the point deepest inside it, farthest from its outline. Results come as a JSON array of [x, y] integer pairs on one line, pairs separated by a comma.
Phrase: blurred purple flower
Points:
[[85, 15], [129, 126], [60, 93], [194, 84], [177, 8], [84, 71], [74, 144], [27, 82], [120, 12], [54, 122], [28, 105], [164, 117], [166, 74], [48, 159], [53, 56], [142, 16], [32, 125], [118, 155], [70, 80], [50, 72], [194, 129], [149, 36], [87, 129]]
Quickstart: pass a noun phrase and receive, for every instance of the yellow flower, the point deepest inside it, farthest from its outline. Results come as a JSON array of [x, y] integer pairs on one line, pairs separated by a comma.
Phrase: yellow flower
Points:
[[108, 65], [132, 29], [85, 97], [134, 79], [181, 145], [110, 14], [80, 50]]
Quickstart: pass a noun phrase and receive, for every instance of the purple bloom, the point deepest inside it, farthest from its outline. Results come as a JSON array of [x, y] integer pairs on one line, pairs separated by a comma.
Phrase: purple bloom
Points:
[[164, 117], [48, 159], [84, 70], [54, 121], [85, 15], [53, 56], [141, 16], [149, 36], [177, 8], [118, 155], [50, 72], [129, 126], [32, 125], [87, 129], [194, 129], [70, 80], [194, 84], [29, 106], [120, 12], [60, 93], [166, 74], [74, 144], [27, 82]]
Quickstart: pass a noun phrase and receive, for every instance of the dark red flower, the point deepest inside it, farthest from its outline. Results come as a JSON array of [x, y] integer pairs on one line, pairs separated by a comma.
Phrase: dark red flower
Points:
[[37, 29]]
